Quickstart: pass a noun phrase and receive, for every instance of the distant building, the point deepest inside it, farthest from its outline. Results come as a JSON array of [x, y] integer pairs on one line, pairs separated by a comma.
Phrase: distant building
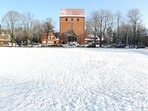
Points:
[[91, 38], [144, 38], [52, 38], [4, 38], [72, 24]]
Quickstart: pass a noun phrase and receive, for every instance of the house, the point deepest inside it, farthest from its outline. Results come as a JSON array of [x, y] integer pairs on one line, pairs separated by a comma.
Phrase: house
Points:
[[4, 38], [91, 38], [51, 39], [143, 39]]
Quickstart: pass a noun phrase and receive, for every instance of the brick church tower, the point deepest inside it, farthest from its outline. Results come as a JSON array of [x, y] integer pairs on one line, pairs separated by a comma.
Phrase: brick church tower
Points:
[[72, 23]]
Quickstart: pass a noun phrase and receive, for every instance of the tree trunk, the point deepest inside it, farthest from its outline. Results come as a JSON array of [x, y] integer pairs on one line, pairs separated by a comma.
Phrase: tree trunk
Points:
[[47, 39], [134, 37], [95, 41], [95, 36], [100, 41], [12, 41], [27, 41], [12, 35]]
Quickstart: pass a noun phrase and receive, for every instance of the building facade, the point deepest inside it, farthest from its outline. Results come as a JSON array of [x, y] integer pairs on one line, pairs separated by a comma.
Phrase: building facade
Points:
[[143, 39], [72, 24], [52, 38], [4, 38]]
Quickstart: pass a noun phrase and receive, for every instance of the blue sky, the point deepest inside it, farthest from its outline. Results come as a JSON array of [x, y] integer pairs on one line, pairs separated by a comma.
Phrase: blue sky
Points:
[[42, 9]]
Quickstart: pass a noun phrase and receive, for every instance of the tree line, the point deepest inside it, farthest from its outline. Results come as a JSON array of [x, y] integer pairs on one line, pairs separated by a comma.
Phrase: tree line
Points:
[[24, 27], [103, 23], [116, 27]]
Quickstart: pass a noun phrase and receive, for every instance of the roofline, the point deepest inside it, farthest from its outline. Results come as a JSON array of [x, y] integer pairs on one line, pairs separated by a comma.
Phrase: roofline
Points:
[[72, 16]]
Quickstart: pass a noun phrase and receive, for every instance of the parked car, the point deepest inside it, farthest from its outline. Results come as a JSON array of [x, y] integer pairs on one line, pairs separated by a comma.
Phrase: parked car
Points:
[[43, 45], [60, 45], [129, 46], [70, 45], [56, 45], [91, 45], [106, 46], [120, 46], [36, 45], [140, 46], [81, 45]]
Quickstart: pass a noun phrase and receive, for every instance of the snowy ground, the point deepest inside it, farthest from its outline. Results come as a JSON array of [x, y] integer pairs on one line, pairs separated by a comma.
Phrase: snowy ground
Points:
[[73, 79]]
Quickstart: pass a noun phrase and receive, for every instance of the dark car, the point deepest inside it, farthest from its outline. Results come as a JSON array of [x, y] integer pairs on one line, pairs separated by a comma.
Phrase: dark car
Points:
[[91, 45], [120, 46], [81, 45], [140, 46]]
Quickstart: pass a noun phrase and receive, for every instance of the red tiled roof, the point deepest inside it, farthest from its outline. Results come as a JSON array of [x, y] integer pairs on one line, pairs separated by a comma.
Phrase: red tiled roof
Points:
[[49, 34], [43, 35]]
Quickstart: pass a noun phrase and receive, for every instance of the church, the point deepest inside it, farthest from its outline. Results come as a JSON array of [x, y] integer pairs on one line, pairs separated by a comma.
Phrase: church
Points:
[[72, 25]]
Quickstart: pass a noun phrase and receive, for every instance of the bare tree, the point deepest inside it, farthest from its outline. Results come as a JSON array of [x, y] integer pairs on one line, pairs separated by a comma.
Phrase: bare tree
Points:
[[118, 21], [125, 33], [19, 36], [134, 18], [101, 20], [88, 25], [37, 30], [11, 20], [27, 25], [48, 27]]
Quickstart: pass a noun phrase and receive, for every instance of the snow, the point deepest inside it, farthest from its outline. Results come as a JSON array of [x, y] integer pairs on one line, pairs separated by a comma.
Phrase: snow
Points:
[[73, 79]]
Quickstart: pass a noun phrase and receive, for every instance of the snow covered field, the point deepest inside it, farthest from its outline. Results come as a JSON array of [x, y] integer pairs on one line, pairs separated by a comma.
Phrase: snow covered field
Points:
[[73, 79]]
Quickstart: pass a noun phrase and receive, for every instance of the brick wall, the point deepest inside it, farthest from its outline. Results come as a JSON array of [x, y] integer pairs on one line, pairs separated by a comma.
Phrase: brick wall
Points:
[[72, 19], [72, 23]]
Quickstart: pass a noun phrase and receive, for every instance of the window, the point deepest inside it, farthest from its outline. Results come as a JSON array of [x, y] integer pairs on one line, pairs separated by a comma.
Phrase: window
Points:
[[66, 19], [77, 19]]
